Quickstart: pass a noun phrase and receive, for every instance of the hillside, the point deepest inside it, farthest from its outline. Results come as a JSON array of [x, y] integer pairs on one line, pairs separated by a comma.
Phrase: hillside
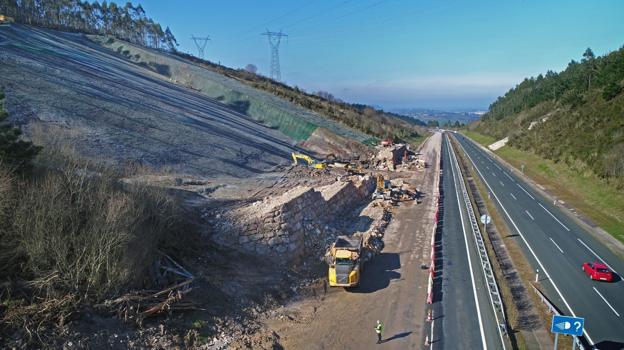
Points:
[[575, 116], [378, 123], [143, 106]]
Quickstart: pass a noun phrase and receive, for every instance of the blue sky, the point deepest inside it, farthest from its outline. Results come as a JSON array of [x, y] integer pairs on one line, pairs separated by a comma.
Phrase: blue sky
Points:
[[400, 53]]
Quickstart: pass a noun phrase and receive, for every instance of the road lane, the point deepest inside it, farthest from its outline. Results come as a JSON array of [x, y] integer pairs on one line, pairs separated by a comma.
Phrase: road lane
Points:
[[466, 308], [568, 286]]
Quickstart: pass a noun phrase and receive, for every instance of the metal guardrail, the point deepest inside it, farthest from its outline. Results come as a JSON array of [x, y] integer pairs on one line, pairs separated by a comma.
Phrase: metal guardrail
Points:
[[486, 267], [552, 309]]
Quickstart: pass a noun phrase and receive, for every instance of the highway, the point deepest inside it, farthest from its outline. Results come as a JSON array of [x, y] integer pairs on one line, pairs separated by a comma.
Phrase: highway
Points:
[[557, 246], [463, 313]]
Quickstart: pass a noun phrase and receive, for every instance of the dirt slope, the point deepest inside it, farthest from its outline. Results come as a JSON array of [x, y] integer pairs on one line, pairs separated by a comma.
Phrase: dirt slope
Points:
[[64, 86]]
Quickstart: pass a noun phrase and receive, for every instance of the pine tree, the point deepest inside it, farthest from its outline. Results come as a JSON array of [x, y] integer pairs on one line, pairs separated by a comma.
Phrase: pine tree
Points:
[[13, 151]]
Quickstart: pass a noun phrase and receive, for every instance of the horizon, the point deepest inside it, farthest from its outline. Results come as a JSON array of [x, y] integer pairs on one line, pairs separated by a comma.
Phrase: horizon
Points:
[[450, 56]]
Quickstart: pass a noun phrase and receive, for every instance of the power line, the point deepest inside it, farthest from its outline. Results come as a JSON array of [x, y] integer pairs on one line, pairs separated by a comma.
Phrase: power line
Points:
[[201, 43], [288, 13], [274, 41]]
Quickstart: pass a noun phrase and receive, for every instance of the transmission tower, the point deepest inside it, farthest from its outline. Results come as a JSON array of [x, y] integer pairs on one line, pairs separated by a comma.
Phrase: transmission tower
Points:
[[201, 45], [274, 41]]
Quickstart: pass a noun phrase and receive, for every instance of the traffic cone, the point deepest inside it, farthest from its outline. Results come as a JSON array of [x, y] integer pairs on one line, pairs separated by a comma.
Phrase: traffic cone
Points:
[[429, 316], [427, 341]]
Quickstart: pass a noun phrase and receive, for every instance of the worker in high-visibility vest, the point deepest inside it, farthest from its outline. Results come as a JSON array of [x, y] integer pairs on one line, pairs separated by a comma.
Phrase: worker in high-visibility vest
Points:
[[379, 330]]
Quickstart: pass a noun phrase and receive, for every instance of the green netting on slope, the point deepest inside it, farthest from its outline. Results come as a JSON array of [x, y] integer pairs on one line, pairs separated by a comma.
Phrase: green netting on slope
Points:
[[293, 121], [290, 125]]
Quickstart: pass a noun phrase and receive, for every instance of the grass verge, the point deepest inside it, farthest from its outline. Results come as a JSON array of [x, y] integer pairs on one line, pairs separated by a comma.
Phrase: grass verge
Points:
[[590, 195]]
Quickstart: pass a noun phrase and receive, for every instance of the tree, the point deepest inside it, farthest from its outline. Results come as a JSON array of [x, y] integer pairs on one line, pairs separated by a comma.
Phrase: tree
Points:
[[611, 90], [15, 152], [589, 60], [251, 68]]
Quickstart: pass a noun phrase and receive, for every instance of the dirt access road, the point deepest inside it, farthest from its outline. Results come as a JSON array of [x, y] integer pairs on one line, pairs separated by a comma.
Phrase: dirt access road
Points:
[[393, 287]]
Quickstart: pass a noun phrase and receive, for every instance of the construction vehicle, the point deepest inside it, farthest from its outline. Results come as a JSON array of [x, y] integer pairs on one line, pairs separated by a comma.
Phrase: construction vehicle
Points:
[[381, 191], [310, 161], [387, 142], [345, 261], [6, 20], [347, 256]]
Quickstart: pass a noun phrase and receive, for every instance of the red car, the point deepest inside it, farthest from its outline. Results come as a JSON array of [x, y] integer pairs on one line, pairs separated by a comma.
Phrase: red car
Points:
[[598, 271]]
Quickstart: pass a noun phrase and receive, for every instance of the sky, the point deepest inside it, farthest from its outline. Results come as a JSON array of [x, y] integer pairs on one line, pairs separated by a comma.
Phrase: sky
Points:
[[438, 54]]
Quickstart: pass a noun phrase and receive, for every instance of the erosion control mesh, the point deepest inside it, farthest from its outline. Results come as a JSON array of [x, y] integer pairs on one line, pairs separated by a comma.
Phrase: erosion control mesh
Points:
[[292, 120]]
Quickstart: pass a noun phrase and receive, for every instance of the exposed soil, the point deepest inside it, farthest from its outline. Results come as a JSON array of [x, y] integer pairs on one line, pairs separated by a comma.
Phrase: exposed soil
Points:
[[393, 288]]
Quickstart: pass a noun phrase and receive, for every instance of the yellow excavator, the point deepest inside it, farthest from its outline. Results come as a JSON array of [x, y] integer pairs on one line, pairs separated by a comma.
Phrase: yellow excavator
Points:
[[310, 161]]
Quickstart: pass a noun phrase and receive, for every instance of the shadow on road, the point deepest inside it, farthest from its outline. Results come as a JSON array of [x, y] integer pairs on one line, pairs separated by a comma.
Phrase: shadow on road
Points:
[[397, 336], [609, 345], [378, 273]]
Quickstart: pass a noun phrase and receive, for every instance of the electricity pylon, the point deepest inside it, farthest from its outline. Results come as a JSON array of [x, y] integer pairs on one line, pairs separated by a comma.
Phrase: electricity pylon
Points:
[[274, 41], [201, 45]]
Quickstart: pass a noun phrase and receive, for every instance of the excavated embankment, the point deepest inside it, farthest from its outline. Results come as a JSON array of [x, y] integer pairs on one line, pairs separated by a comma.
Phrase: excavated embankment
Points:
[[296, 223]]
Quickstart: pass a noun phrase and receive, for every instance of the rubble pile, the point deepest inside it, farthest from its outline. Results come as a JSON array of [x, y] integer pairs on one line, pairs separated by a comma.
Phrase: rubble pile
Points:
[[397, 157]]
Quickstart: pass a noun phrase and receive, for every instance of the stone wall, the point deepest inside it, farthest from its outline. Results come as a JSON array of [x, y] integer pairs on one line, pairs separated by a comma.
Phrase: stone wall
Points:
[[295, 223]]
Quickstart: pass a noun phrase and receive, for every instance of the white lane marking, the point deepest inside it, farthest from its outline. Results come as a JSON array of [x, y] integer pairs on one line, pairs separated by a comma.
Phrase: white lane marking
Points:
[[499, 168], [605, 300], [510, 178], [529, 214], [598, 256], [493, 174], [431, 340], [514, 197], [474, 288], [529, 246], [551, 214], [556, 245], [525, 191], [502, 184]]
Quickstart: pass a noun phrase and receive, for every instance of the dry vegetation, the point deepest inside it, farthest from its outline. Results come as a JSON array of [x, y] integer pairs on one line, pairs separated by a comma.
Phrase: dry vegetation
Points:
[[72, 235]]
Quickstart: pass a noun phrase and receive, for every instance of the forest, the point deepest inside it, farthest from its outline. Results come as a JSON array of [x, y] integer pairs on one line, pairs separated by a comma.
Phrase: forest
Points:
[[575, 116], [127, 22]]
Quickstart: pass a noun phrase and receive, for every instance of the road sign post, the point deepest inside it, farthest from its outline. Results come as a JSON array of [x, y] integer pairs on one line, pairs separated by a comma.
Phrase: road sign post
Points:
[[485, 219], [567, 325]]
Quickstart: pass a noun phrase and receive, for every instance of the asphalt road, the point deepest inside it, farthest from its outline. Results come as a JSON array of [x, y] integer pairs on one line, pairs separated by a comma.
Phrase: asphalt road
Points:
[[556, 245], [463, 314]]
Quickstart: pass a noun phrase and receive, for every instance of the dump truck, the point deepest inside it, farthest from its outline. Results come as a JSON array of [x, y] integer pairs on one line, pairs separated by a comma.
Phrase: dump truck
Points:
[[345, 261], [347, 256]]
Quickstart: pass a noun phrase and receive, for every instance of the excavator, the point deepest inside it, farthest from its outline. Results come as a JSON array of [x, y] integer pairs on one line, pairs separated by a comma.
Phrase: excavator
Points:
[[311, 162], [381, 191]]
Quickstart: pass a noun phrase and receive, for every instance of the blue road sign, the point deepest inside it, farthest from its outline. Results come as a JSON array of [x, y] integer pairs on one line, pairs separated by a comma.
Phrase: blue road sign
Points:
[[567, 325]]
